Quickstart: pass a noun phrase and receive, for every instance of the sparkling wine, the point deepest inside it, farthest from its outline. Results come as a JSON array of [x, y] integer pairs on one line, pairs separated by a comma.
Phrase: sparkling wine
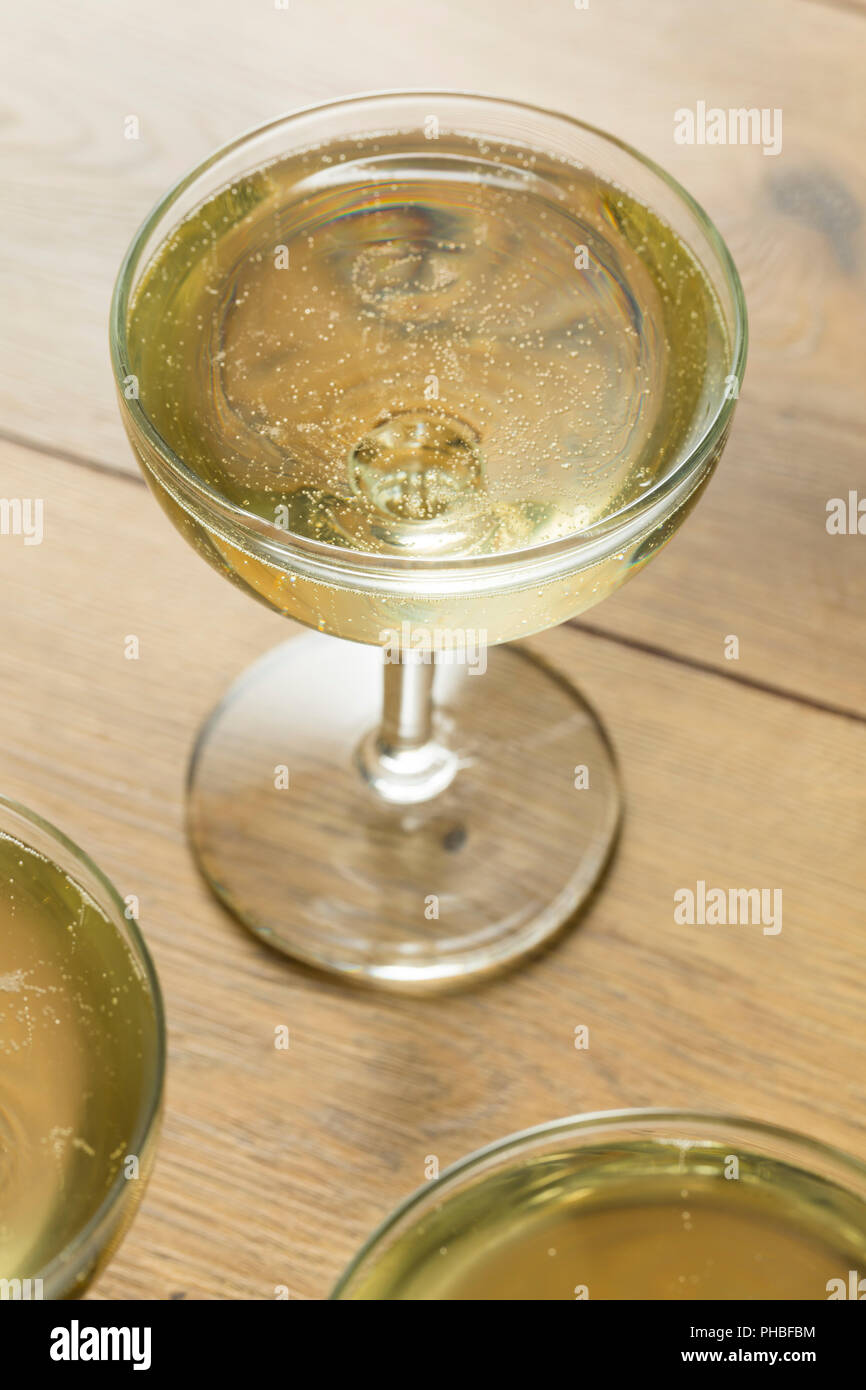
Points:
[[452, 349], [78, 1033], [644, 1221]]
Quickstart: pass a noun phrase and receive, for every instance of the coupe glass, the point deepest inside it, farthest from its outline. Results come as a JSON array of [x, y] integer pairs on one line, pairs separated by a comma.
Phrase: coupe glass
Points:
[[86, 1232], [678, 1184], [405, 822]]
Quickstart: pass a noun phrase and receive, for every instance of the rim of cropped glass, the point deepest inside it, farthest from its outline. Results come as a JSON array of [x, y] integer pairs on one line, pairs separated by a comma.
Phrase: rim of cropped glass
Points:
[[65, 1265], [575, 1124], [609, 534]]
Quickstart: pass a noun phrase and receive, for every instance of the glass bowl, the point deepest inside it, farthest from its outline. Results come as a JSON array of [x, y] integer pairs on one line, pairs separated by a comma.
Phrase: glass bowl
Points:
[[79, 1118], [628, 1204]]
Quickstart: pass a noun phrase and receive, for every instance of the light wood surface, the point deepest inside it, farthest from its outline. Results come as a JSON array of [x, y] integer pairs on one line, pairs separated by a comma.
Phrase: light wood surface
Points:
[[274, 1166]]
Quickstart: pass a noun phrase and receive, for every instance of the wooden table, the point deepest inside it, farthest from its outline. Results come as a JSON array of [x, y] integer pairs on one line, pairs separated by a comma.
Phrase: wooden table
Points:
[[274, 1165]]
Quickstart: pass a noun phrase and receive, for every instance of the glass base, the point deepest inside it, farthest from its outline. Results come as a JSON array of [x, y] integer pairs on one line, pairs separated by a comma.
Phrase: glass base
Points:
[[302, 849]]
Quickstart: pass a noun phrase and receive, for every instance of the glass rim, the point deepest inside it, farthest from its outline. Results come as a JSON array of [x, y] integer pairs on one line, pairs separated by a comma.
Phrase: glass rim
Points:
[[69, 1261], [566, 552], [588, 1121]]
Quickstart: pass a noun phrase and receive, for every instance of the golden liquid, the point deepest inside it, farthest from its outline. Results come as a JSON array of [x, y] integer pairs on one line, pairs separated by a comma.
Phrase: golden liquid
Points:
[[642, 1221], [78, 1042], [454, 351]]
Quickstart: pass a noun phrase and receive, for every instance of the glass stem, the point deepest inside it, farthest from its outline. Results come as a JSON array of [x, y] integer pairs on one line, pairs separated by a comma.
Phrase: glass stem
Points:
[[405, 760], [407, 716]]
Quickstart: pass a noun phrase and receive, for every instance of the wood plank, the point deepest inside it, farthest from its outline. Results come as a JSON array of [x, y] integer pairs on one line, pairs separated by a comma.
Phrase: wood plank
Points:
[[755, 561], [274, 1166]]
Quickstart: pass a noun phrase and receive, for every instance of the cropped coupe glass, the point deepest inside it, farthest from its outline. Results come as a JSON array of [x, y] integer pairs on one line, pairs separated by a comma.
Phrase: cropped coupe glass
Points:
[[412, 823], [61, 1245], [627, 1204]]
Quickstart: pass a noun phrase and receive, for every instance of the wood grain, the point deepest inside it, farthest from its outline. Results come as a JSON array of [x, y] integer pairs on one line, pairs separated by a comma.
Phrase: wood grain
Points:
[[275, 1165]]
